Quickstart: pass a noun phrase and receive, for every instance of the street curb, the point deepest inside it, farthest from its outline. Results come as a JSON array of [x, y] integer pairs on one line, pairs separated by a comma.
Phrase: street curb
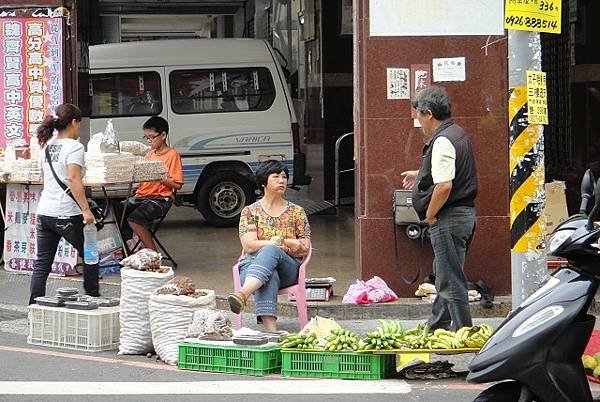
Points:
[[13, 290], [404, 308]]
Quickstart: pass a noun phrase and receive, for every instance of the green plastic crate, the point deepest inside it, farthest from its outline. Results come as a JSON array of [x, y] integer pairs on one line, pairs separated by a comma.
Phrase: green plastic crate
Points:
[[357, 366], [229, 359]]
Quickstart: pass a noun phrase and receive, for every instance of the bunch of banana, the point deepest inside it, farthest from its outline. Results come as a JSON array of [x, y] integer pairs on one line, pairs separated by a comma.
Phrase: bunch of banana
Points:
[[298, 341], [443, 339], [418, 337], [389, 335], [474, 337], [342, 339]]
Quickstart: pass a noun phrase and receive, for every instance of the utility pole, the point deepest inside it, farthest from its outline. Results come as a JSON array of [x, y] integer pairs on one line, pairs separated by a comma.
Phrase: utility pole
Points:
[[526, 170]]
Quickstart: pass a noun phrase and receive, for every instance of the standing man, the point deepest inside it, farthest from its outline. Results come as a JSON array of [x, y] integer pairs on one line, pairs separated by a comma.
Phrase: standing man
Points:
[[443, 194]]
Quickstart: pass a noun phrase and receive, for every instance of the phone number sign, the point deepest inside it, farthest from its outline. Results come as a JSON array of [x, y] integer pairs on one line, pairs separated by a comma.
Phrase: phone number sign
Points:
[[533, 15]]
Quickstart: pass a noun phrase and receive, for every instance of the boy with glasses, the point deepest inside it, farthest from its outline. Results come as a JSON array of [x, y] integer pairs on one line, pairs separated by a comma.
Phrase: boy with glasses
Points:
[[152, 199]]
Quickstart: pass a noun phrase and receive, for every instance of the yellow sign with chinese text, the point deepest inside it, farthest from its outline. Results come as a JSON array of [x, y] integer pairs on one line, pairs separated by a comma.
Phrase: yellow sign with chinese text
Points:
[[533, 15], [537, 98]]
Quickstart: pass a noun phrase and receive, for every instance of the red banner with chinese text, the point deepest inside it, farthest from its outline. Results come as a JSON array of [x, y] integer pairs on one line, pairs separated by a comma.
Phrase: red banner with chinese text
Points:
[[31, 54]]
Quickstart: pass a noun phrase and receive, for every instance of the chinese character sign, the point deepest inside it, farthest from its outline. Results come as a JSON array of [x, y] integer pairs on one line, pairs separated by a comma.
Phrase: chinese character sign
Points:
[[533, 15], [537, 98], [20, 238], [31, 86]]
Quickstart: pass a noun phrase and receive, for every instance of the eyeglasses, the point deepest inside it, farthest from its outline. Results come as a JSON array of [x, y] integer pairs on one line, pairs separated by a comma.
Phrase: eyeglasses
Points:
[[150, 139]]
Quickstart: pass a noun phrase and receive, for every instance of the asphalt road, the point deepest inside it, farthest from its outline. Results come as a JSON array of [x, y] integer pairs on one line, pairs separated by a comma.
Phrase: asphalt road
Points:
[[29, 373], [32, 373]]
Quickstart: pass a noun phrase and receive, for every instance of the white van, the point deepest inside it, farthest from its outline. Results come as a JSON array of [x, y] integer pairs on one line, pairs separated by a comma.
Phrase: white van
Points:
[[227, 104]]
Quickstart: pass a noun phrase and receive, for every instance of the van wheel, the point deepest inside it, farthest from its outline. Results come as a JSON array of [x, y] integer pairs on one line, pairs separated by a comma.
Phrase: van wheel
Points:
[[222, 197]]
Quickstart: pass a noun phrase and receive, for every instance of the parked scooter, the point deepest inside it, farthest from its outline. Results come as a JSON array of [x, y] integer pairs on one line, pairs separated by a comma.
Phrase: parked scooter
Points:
[[536, 351]]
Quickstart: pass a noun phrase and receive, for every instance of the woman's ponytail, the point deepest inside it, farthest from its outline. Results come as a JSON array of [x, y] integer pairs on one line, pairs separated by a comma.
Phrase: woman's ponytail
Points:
[[45, 130], [65, 114]]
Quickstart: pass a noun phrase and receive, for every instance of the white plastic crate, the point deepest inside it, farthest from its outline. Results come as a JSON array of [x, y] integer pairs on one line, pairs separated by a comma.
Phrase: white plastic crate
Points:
[[88, 330]]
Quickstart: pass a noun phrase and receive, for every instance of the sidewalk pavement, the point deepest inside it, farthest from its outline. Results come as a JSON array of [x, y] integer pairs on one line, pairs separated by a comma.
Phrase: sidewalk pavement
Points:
[[14, 290], [14, 294]]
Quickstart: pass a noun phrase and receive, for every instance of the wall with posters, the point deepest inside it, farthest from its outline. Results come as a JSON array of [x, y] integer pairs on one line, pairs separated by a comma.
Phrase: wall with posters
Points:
[[32, 83], [472, 65]]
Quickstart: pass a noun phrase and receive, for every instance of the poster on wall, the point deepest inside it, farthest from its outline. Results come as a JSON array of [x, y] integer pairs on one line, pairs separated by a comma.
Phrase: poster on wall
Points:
[[421, 77], [537, 97], [32, 81], [449, 69], [20, 240], [398, 83], [435, 17]]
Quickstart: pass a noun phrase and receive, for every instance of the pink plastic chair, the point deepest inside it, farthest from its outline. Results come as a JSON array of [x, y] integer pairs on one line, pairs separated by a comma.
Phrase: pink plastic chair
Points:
[[298, 291]]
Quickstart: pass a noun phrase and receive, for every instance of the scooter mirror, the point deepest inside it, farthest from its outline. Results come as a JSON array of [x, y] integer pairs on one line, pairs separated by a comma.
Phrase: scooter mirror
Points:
[[594, 214], [587, 190]]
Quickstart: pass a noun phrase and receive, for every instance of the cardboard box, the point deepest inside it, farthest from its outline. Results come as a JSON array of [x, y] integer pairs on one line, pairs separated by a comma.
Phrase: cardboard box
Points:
[[556, 205]]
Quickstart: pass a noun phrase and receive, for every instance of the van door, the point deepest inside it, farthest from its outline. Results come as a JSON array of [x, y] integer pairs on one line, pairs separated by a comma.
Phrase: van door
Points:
[[224, 120]]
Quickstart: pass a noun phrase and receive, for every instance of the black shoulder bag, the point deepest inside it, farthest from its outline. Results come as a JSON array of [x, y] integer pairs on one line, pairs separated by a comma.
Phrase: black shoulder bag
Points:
[[94, 208]]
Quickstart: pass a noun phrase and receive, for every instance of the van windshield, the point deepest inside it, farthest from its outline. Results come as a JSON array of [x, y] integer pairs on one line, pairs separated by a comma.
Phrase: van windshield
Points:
[[221, 90]]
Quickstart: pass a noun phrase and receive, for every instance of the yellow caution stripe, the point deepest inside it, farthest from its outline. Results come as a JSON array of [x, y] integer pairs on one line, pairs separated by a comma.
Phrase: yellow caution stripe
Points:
[[526, 172]]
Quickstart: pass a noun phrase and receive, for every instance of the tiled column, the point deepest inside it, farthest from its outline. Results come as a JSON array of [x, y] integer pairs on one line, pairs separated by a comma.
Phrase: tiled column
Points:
[[386, 144]]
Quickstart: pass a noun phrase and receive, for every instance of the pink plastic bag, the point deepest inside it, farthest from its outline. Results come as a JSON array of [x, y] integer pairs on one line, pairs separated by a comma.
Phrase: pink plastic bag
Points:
[[375, 290]]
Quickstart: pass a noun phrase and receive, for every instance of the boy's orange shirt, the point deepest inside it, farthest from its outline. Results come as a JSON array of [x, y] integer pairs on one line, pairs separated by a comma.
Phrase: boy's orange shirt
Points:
[[172, 161]]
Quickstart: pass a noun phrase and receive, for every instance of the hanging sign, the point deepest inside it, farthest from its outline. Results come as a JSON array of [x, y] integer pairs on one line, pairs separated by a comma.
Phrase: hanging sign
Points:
[[435, 17], [533, 15], [537, 99], [20, 237], [32, 82]]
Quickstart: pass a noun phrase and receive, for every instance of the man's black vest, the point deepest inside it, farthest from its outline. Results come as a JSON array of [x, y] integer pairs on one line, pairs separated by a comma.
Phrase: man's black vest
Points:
[[464, 184]]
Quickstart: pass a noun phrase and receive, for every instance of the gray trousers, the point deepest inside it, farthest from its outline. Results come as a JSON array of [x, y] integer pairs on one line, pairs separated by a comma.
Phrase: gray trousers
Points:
[[450, 239]]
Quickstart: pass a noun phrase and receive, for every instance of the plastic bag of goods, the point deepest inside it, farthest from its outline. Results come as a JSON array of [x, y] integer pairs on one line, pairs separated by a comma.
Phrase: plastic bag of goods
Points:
[[171, 312], [109, 143], [143, 260], [211, 325], [93, 145], [134, 147], [137, 286]]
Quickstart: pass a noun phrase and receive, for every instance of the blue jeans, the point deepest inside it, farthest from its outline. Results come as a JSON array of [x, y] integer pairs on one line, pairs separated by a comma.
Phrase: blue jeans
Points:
[[275, 270], [49, 232], [450, 239]]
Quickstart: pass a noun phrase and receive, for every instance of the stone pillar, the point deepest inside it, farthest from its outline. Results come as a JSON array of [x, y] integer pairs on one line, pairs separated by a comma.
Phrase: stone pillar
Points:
[[386, 143]]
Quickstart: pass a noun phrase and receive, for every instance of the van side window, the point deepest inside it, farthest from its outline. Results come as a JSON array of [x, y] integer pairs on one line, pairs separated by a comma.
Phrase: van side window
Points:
[[126, 94], [221, 90]]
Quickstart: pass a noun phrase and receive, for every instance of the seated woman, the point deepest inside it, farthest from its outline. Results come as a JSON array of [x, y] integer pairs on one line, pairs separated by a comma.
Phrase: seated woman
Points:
[[275, 236]]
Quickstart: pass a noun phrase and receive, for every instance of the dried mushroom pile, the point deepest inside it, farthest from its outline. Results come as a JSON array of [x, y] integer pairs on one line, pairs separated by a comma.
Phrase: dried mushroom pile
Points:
[[181, 286], [145, 260]]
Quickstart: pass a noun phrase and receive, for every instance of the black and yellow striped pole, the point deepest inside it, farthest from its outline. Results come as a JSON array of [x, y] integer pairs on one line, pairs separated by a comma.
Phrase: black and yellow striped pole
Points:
[[526, 171]]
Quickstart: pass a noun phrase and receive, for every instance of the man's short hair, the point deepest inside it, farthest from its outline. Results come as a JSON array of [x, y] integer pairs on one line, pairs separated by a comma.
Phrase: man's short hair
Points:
[[434, 99], [157, 124], [267, 168]]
